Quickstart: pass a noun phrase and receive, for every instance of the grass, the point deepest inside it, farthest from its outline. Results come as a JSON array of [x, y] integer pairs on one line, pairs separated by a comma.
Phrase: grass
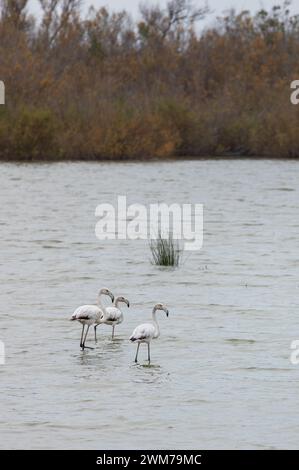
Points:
[[165, 251]]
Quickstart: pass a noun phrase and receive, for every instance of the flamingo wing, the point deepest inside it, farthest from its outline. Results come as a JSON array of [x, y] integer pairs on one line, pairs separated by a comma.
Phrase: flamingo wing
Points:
[[86, 312], [143, 332], [112, 314]]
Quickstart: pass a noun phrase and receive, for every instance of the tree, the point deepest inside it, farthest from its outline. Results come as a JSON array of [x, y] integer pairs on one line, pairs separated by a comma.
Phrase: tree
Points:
[[14, 12], [56, 16], [161, 24]]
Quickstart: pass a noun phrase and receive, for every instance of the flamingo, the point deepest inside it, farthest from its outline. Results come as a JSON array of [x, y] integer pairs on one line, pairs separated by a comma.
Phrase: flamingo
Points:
[[90, 314], [145, 332], [113, 315], [102, 307]]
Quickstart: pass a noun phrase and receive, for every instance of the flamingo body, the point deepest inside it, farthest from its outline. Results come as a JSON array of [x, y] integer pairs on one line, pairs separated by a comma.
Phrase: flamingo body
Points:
[[144, 333], [113, 315], [87, 314]]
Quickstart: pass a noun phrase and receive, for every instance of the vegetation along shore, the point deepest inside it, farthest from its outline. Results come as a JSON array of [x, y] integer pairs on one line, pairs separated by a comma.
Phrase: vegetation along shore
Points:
[[102, 86]]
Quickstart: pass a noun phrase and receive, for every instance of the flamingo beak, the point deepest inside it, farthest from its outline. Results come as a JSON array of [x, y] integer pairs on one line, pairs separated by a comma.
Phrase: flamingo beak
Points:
[[111, 296], [128, 303]]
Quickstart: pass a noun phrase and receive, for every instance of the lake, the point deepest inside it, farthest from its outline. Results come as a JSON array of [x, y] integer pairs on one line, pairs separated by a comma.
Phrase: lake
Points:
[[220, 376]]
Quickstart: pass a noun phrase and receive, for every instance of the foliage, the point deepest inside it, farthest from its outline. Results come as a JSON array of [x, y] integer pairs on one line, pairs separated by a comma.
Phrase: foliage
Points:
[[165, 251], [106, 87]]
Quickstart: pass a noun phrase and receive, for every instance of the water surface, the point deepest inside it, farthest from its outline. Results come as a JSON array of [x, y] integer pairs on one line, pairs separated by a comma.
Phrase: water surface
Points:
[[220, 375]]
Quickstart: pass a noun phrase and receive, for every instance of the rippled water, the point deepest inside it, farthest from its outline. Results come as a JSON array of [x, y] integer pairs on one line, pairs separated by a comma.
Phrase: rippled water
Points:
[[220, 376]]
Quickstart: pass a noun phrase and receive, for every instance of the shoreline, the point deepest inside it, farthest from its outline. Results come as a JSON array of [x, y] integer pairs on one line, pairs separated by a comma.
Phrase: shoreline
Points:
[[144, 160]]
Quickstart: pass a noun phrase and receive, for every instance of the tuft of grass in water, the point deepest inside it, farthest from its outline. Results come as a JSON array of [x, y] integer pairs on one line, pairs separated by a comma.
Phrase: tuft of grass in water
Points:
[[165, 251]]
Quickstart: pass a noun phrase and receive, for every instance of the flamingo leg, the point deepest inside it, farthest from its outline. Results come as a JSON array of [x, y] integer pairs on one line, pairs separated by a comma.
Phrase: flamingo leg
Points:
[[148, 353], [81, 340], [137, 352], [83, 345], [113, 326]]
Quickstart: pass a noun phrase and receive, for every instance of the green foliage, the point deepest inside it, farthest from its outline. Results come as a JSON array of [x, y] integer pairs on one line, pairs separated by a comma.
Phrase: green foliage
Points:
[[33, 135], [165, 251]]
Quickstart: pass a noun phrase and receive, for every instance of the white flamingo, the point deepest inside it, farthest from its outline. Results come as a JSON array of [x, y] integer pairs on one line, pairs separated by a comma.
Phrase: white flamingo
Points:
[[113, 315], [103, 291], [145, 332], [90, 314]]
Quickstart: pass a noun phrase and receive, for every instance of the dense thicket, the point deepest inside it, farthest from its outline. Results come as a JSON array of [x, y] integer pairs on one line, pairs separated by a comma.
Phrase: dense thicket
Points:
[[106, 87]]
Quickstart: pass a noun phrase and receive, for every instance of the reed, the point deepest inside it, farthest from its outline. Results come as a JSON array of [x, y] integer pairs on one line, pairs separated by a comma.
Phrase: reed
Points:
[[165, 251]]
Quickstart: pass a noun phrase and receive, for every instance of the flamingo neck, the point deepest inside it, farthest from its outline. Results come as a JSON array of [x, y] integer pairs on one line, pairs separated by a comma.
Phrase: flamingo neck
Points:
[[99, 301], [155, 322], [116, 302]]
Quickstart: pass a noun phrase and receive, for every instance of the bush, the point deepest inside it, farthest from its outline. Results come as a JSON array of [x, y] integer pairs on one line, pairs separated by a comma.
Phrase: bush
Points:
[[165, 251], [33, 135]]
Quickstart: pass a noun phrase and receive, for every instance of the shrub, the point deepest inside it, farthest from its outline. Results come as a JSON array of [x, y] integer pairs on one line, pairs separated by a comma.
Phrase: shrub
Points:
[[33, 135], [165, 251]]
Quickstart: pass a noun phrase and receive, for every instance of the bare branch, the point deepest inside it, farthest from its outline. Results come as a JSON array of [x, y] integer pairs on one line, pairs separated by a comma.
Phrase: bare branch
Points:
[[56, 15]]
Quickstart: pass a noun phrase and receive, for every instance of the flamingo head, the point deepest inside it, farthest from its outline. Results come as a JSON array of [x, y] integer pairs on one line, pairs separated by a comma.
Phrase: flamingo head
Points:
[[161, 307], [123, 300], [106, 291]]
